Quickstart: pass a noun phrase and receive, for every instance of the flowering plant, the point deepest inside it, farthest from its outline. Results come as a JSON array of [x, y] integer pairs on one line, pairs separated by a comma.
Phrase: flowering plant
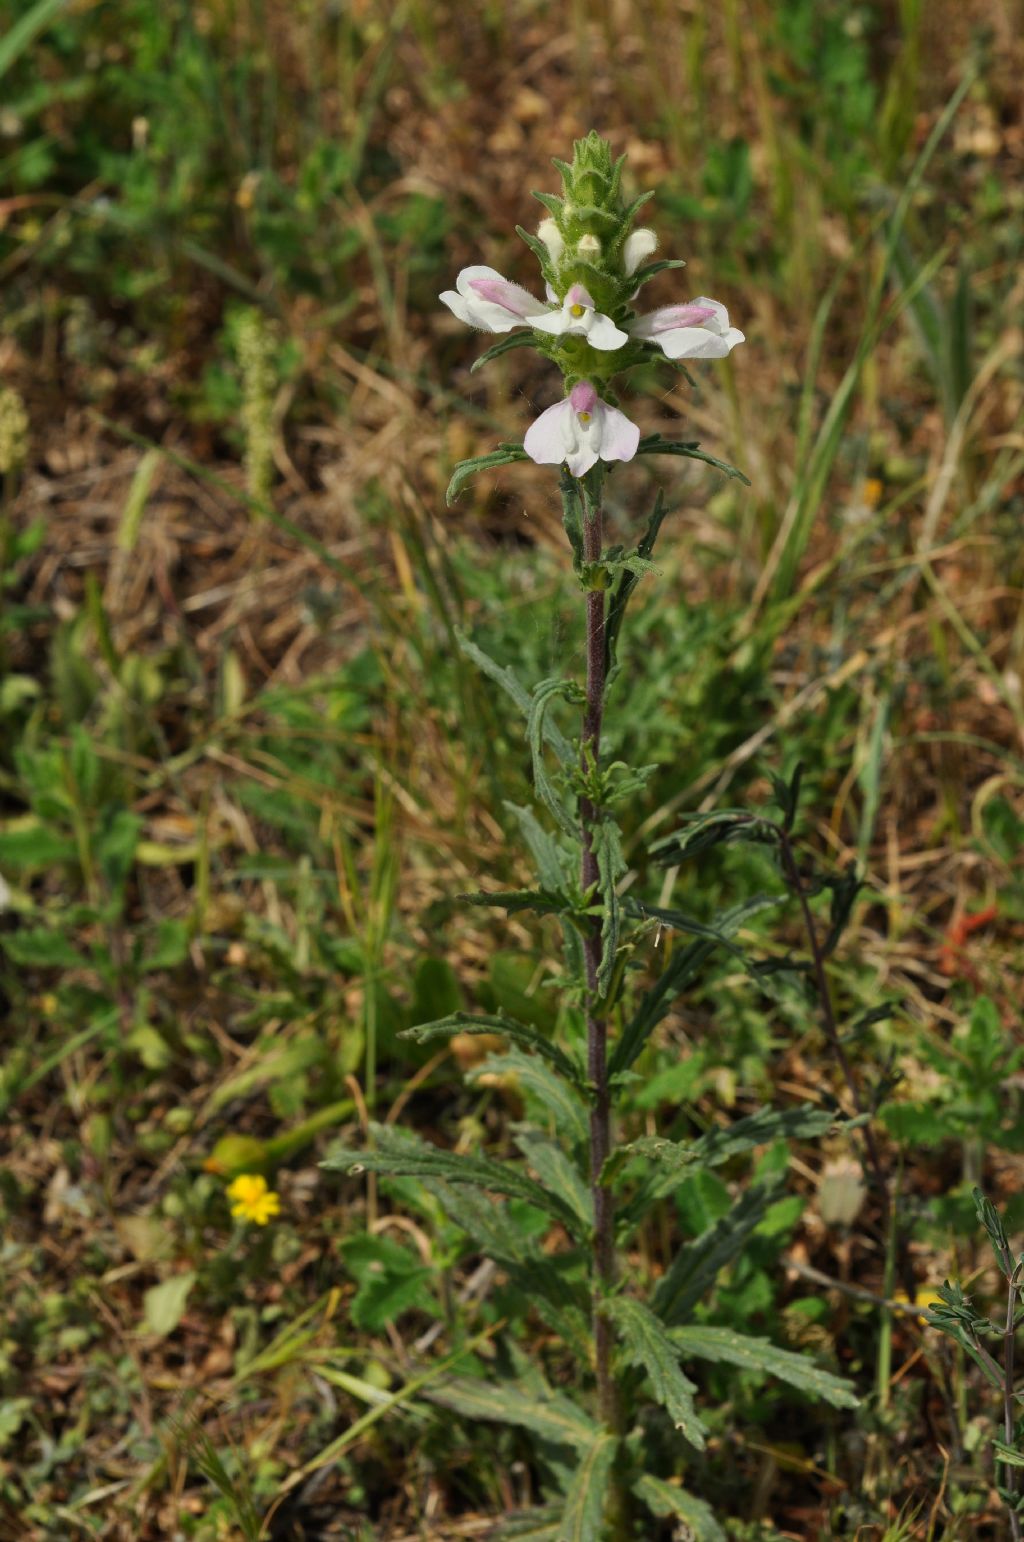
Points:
[[623, 1339]]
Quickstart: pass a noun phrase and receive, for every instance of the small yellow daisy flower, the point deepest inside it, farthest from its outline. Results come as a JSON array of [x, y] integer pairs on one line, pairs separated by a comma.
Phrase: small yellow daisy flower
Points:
[[252, 1200]]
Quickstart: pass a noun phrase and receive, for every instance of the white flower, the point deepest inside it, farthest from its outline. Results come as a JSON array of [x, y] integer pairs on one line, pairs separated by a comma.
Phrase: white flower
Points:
[[487, 300], [579, 317], [552, 237], [639, 246], [482, 298], [699, 330], [581, 430]]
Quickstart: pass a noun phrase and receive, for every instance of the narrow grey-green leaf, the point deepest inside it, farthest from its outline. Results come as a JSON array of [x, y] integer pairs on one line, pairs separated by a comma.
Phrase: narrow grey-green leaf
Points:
[[654, 444], [552, 872], [504, 455], [583, 1516], [508, 1027], [540, 1525], [400, 1156], [551, 1415], [723, 1345], [664, 1500], [543, 695], [648, 1345], [559, 1097], [514, 689], [510, 341]]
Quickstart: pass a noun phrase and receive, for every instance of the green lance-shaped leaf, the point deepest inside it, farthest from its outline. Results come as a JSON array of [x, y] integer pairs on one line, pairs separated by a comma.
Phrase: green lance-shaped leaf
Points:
[[505, 345], [540, 1525], [648, 1345], [652, 269], [402, 1157], [611, 865], [558, 1096], [698, 1263], [627, 581], [538, 900], [509, 1027], [543, 695], [654, 444], [507, 681], [504, 455], [682, 970], [665, 1500], [677, 1159], [560, 1304], [559, 1177], [720, 827], [583, 1516], [552, 874], [572, 517], [548, 1414], [723, 1346]]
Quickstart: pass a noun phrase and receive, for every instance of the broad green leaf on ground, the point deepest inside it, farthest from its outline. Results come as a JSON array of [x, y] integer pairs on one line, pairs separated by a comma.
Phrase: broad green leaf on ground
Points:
[[664, 1500], [723, 1345], [550, 1415], [508, 1027], [648, 1345], [583, 1516], [163, 1305], [403, 1157], [558, 1097], [698, 1264]]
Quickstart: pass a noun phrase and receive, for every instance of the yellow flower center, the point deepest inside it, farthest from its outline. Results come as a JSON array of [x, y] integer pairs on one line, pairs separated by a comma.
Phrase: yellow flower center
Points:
[[576, 310], [584, 417]]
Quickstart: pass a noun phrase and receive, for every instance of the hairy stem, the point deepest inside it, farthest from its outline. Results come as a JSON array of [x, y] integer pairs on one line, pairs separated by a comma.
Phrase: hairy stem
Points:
[[597, 1023]]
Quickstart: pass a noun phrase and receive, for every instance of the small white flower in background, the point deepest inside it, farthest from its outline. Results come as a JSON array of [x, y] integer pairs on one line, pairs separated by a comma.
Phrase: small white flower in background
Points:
[[699, 330], [5, 895], [578, 316], [487, 300], [639, 246], [581, 430]]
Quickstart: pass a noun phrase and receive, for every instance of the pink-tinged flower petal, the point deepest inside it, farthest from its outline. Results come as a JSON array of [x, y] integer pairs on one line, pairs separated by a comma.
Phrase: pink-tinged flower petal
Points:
[[583, 396], [488, 301], [698, 343], [619, 436], [550, 437], [699, 330], [510, 296], [579, 296], [604, 334]]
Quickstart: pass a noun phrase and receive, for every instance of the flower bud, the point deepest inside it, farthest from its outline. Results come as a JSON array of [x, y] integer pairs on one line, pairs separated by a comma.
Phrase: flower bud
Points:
[[639, 246], [550, 234], [588, 246]]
